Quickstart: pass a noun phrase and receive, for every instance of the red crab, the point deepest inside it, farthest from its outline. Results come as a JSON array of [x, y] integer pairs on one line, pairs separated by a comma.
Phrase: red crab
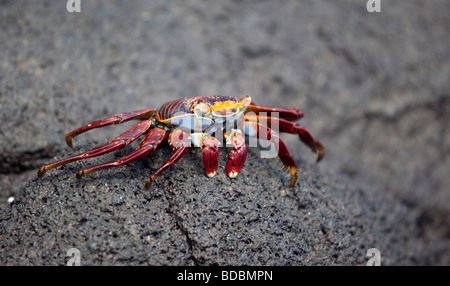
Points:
[[199, 121]]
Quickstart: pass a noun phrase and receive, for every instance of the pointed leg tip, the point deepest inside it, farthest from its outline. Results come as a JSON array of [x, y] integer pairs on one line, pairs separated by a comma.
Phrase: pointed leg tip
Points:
[[69, 142], [294, 175], [292, 182], [80, 174], [41, 172], [320, 151]]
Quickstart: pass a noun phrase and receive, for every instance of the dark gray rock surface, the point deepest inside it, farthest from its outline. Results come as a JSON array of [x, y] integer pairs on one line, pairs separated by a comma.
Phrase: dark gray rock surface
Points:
[[374, 88], [186, 218]]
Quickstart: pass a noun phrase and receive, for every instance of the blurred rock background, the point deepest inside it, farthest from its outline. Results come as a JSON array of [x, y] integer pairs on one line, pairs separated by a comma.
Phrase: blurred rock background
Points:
[[374, 87]]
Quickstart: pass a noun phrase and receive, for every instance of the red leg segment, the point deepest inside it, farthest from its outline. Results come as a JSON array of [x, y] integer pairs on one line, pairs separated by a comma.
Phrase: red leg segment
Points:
[[291, 113], [147, 145], [266, 133], [114, 119], [293, 128], [119, 142], [180, 142]]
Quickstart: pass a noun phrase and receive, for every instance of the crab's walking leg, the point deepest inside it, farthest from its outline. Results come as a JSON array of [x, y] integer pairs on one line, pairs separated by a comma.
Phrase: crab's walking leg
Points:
[[293, 128], [291, 113], [147, 145], [119, 142], [114, 119], [236, 157], [261, 131], [180, 142]]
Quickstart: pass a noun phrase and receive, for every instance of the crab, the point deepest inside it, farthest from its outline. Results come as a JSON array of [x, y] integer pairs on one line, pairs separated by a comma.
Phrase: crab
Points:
[[208, 122]]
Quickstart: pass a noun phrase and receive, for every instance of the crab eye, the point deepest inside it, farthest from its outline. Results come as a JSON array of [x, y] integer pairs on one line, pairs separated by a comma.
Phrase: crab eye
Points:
[[201, 109], [246, 101]]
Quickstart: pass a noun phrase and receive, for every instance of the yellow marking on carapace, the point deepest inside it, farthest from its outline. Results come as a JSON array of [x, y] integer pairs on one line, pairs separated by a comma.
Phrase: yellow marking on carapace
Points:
[[226, 108], [183, 115]]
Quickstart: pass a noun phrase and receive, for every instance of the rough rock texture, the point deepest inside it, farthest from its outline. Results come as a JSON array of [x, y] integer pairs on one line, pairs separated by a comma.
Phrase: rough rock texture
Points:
[[374, 88], [188, 219]]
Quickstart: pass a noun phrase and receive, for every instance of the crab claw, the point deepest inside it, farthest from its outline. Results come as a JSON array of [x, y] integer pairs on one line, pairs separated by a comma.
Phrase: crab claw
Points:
[[210, 161], [236, 157], [210, 155]]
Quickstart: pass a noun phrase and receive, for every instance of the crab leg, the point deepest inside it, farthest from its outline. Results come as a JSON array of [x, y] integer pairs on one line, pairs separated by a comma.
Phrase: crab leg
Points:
[[117, 143], [261, 131], [291, 113], [114, 119], [147, 145], [293, 128], [179, 141]]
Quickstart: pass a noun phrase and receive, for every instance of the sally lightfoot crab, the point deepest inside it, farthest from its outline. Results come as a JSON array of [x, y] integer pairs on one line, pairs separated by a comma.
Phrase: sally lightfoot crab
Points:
[[204, 121]]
